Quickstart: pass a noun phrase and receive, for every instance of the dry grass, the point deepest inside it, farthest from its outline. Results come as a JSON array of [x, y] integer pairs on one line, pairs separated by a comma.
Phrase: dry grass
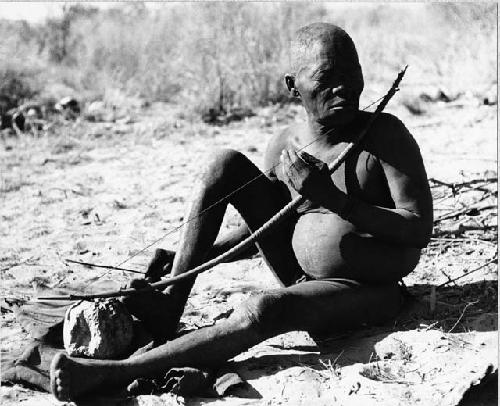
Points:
[[234, 54]]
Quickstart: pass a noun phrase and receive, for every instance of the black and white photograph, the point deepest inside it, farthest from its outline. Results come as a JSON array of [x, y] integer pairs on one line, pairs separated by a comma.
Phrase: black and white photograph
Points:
[[249, 203]]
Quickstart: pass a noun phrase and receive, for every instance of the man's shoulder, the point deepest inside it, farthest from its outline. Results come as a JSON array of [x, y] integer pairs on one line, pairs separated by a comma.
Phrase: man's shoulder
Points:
[[390, 141], [280, 140], [389, 132], [283, 136], [387, 124]]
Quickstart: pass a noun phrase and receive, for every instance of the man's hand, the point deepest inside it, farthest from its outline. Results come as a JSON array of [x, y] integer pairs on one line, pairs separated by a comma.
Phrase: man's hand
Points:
[[307, 175], [160, 265], [158, 311]]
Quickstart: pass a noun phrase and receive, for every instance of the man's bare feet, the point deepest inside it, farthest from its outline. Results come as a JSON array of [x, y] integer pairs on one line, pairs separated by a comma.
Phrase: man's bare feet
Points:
[[71, 379], [159, 312]]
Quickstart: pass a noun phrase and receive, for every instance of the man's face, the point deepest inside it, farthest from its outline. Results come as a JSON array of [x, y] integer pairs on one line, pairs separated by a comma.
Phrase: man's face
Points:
[[325, 93]]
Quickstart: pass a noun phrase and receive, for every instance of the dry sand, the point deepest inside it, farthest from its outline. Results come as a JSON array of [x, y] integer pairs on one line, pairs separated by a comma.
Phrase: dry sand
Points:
[[102, 192]]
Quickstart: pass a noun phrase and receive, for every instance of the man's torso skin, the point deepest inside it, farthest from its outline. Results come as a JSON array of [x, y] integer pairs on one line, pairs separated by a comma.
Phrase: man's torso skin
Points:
[[320, 236]]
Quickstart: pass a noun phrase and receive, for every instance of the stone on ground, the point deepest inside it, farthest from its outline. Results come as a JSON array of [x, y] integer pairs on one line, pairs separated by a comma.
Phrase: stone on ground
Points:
[[97, 329]]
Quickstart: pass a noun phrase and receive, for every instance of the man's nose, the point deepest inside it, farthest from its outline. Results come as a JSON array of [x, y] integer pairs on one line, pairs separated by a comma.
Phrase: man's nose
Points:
[[337, 91], [338, 95], [342, 94]]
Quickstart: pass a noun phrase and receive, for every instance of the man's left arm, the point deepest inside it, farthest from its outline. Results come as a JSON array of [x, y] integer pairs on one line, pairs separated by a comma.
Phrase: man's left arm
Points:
[[410, 221]]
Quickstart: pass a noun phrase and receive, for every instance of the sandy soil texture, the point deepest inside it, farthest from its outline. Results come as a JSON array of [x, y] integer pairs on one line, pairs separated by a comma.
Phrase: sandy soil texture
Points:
[[102, 192]]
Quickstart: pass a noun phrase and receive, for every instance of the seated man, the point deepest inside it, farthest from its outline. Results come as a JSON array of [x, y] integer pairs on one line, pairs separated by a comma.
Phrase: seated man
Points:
[[338, 258]]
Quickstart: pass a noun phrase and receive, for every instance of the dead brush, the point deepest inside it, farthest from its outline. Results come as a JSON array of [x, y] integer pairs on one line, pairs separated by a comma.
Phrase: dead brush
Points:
[[465, 231], [332, 369], [404, 351]]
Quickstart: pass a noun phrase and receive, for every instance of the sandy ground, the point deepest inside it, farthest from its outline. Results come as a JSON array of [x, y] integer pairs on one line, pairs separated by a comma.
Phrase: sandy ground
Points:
[[101, 192]]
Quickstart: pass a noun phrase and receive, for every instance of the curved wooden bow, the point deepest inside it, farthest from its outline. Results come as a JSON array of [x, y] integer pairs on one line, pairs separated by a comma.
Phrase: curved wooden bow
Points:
[[277, 218]]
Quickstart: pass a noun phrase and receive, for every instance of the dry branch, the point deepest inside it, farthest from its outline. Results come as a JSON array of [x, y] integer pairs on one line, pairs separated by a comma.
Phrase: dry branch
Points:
[[439, 240], [468, 183], [116, 268], [462, 229], [494, 259], [462, 314], [464, 210]]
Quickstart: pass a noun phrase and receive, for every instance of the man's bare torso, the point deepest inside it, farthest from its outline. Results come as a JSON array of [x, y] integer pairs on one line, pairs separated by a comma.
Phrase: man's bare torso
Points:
[[325, 244]]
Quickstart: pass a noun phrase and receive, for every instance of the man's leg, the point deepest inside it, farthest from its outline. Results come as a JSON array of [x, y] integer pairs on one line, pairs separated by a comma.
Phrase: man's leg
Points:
[[329, 306], [229, 178], [315, 306]]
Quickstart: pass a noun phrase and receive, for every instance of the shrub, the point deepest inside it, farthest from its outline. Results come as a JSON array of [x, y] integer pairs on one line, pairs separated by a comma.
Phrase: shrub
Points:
[[17, 85], [224, 55]]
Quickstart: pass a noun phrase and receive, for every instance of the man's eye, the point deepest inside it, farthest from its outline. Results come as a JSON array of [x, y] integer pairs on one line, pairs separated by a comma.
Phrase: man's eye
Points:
[[320, 76], [341, 79]]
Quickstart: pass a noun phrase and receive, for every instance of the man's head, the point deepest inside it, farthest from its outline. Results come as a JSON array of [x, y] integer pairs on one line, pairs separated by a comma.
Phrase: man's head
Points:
[[326, 73]]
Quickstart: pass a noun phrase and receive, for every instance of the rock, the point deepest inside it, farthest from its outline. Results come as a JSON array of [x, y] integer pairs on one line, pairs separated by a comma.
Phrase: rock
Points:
[[97, 106], [394, 349], [414, 105], [218, 116], [96, 112], [490, 97], [102, 328], [68, 105], [33, 110], [438, 95]]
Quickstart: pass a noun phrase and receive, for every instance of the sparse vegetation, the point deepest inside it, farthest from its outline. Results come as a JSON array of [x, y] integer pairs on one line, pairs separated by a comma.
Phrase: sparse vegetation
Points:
[[102, 186], [225, 55], [16, 85]]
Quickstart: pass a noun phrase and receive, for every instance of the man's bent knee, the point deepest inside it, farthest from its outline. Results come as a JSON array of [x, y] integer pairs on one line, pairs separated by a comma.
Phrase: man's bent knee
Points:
[[222, 164], [225, 158], [265, 314]]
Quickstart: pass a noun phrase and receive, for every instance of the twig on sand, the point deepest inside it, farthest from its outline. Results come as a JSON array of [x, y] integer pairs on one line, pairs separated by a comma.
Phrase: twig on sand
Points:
[[457, 188], [332, 367], [431, 326], [468, 183], [494, 259], [452, 186], [461, 229], [439, 240], [12, 266], [463, 211], [116, 268], [462, 315]]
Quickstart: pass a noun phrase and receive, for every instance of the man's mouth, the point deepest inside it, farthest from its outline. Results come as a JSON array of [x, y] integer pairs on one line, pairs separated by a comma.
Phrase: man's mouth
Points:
[[338, 111], [340, 106]]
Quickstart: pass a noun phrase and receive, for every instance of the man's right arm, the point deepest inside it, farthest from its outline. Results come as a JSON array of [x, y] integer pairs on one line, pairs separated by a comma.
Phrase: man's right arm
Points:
[[273, 151]]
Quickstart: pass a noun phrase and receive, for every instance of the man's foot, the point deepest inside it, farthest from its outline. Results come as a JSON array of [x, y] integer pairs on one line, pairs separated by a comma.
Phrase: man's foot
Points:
[[71, 379], [159, 312]]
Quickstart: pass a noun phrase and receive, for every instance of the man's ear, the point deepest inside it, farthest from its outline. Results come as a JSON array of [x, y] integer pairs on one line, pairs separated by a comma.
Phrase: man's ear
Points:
[[290, 84]]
